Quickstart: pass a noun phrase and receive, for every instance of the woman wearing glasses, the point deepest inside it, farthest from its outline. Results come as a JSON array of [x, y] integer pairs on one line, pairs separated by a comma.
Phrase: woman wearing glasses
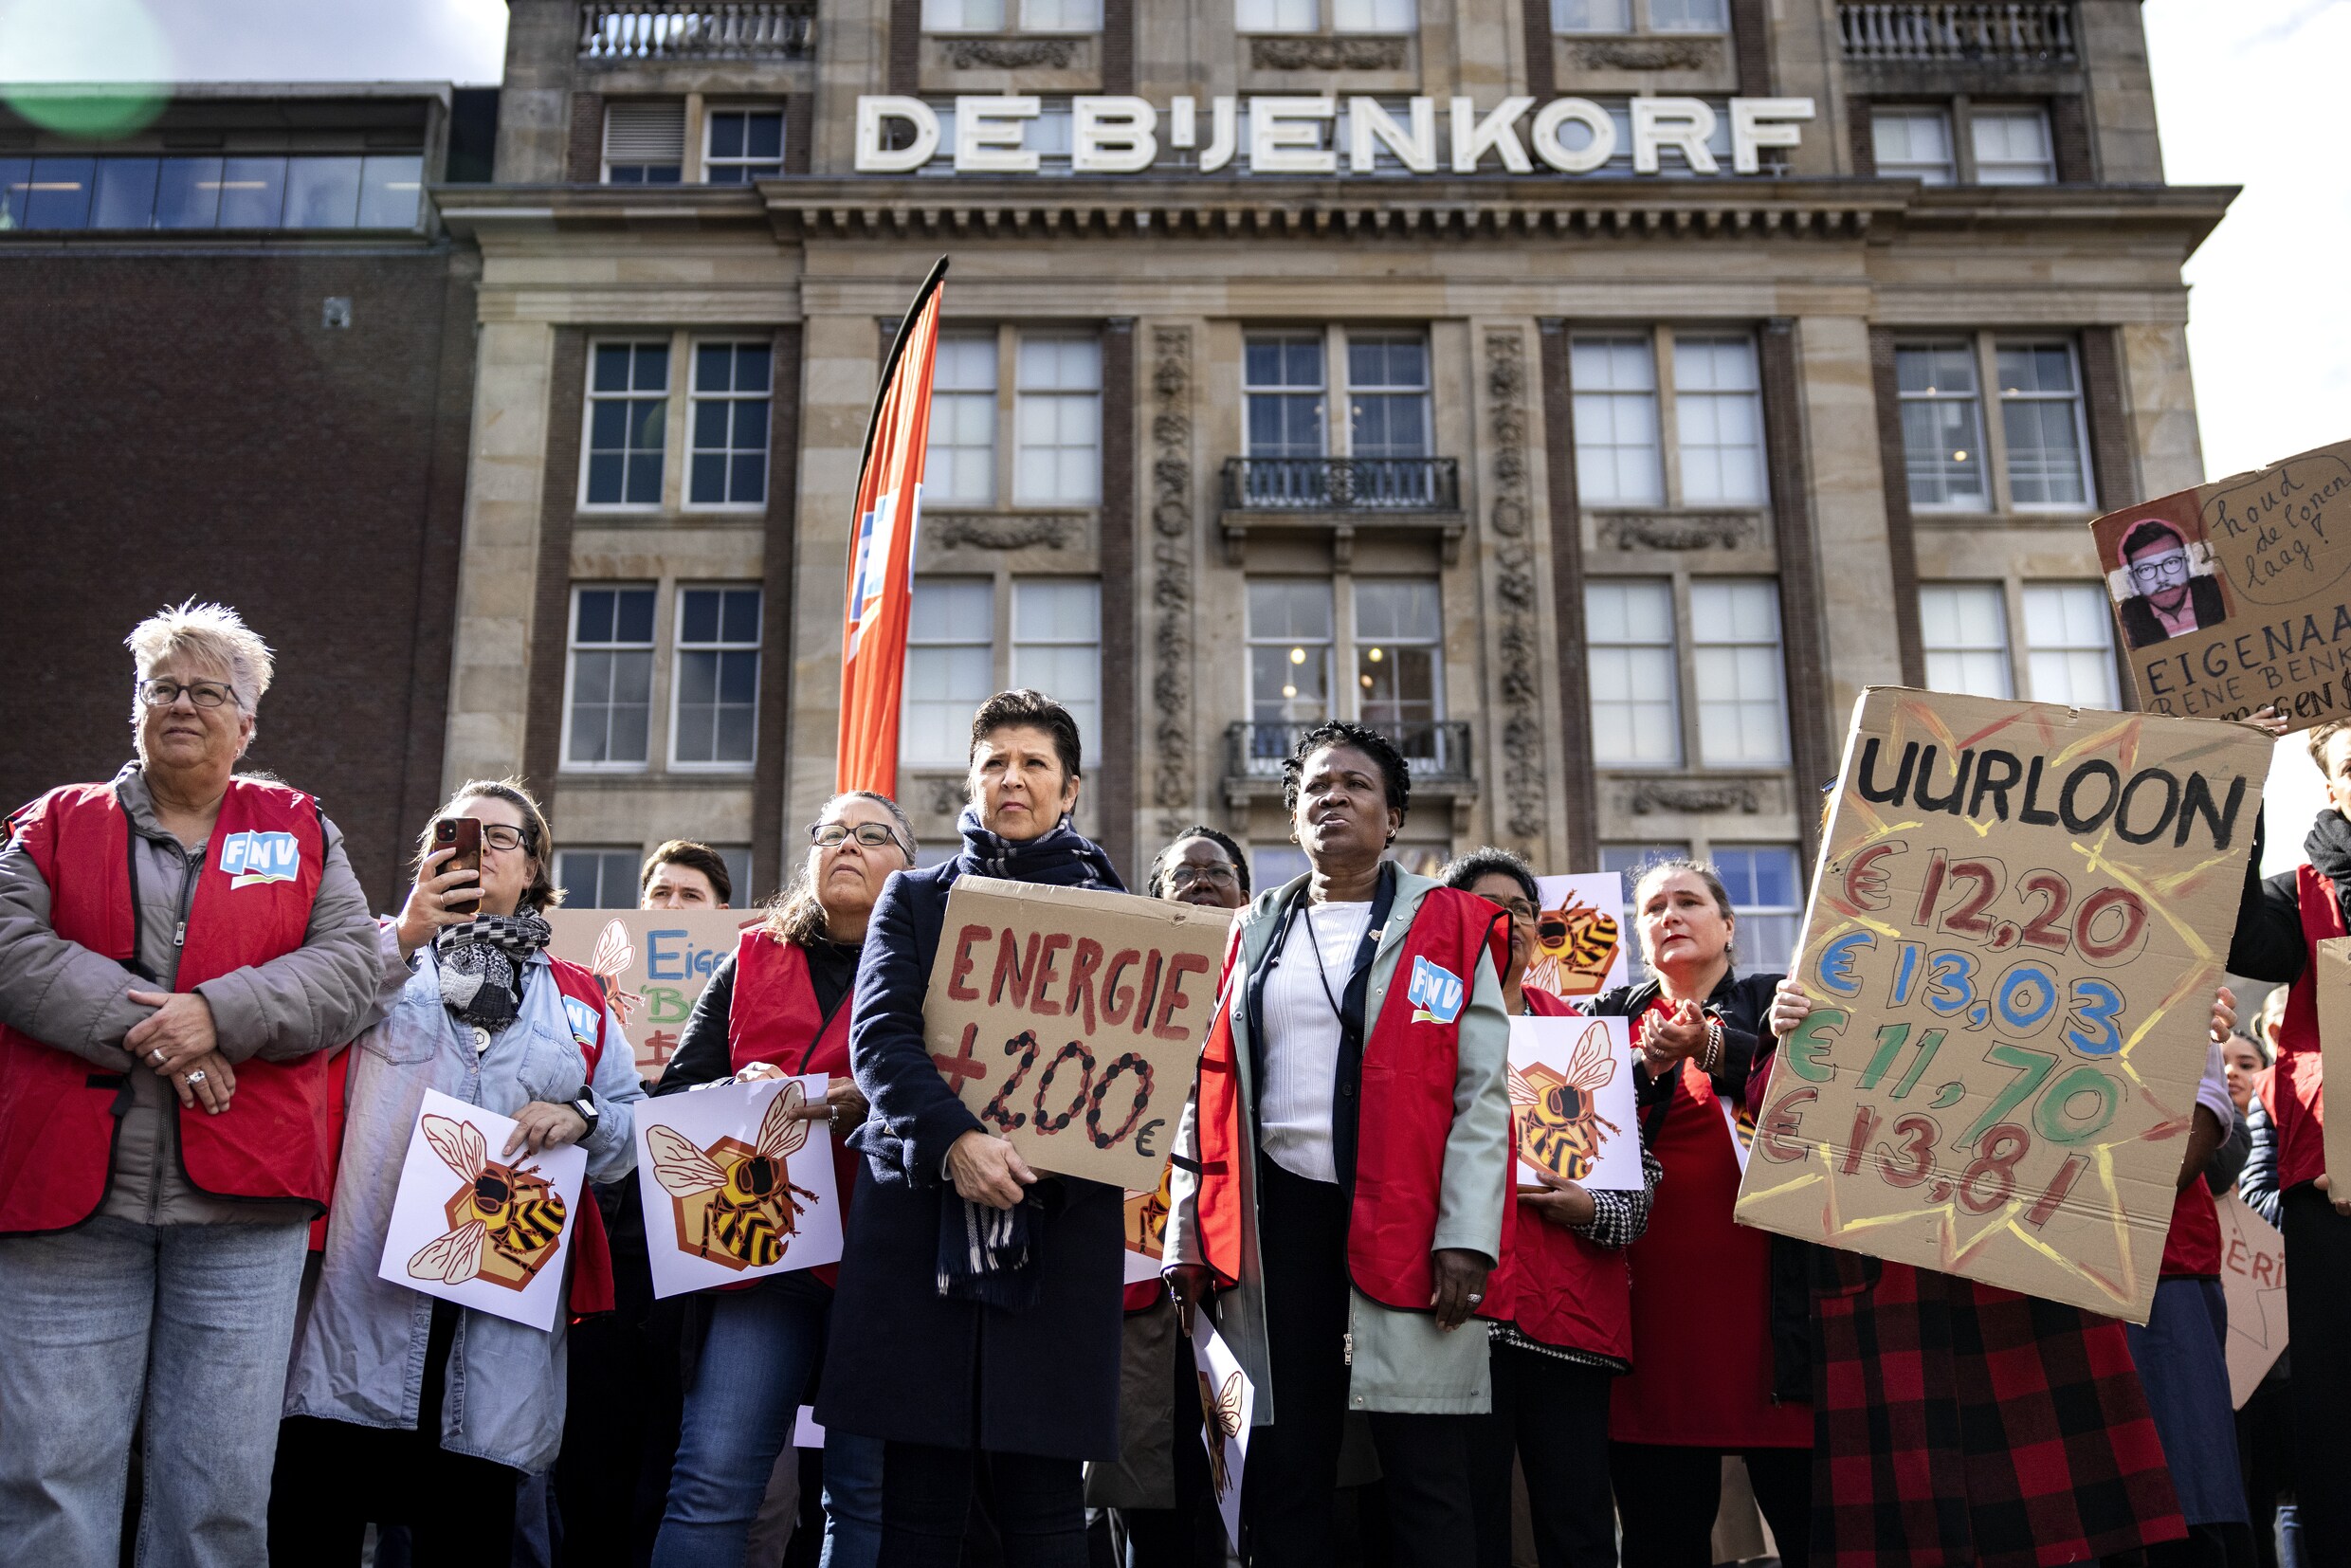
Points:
[[180, 948], [780, 1004], [403, 1408]]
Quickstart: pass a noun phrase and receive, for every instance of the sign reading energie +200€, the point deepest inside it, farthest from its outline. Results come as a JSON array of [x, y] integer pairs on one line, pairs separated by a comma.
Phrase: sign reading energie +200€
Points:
[[1293, 136]]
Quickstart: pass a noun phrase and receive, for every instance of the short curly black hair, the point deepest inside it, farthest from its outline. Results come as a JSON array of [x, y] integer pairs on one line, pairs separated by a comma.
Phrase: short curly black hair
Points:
[[1340, 732], [1157, 885], [1491, 860]]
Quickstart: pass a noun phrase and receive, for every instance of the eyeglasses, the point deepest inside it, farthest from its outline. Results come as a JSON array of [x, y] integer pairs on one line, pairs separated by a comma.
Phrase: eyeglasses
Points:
[[2172, 566], [831, 835], [1215, 876], [160, 693], [497, 835]]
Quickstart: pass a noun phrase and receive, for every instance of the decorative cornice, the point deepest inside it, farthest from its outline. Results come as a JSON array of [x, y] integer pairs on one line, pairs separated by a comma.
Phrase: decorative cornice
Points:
[[1646, 54], [1011, 54], [1679, 530], [1310, 53], [1695, 797], [1004, 531]]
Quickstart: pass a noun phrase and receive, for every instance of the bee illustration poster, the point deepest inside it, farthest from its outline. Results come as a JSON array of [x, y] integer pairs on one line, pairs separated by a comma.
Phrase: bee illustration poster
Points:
[[1228, 1400], [653, 964], [1146, 1229], [736, 1183], [1570, 1098], [1580, 935], [473, 1227]]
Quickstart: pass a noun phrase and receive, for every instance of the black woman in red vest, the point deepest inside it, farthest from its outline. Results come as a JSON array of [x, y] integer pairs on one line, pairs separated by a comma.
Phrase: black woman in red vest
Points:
[[780, 1004], [1570, 1332]]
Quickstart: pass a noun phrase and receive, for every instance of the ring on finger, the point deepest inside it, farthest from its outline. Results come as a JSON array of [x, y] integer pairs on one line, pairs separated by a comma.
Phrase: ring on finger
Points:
[[196, 1077]]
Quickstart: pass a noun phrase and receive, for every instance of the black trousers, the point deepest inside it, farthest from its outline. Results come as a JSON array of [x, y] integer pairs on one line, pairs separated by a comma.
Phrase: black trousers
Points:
[[1667, 1497], [1552, 1416], [2318, 1329], [333, 1478], [1192, 1534], [1038, 1506], [1292, 1478]]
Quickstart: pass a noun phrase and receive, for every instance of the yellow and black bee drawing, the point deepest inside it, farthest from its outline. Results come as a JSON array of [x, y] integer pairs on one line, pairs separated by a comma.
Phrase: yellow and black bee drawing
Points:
[[511, 1212], [1146, 1218], [1221, 1415], [1574, 946], [753, 1209], [1560, 1127]]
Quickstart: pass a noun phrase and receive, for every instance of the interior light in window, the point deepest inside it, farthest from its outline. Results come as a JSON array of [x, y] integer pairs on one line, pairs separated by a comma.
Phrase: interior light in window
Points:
[[1375, 655], [1958, 457], [1289, 691], [1298, 656]]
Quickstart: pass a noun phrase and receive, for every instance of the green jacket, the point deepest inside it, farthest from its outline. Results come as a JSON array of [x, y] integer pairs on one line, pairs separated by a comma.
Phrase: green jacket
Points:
[[1398, 1360]]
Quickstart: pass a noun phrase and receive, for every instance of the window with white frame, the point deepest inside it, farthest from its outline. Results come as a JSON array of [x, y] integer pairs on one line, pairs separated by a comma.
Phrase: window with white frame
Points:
[[1283, 394], [715, 689], [1383, 16], [1011, 15], [1635, 678], [1276, 15], [1687, 16], [950, 669], [610, 697], [2012, 146], [1387, 395], [1398, 639], [961, 462], [2070, 645], [1654, 16], [644, 141], [1057, 648], [598, 878], [1766, 886], [1290, 640], [1719, 402], [1913, 143], [1057, 421], [1743, 710], [1617, 459], [628, 419], [727, 427], [742, 145], [1942, 425], [2041, 416], [1592, 15], [1964, 629]]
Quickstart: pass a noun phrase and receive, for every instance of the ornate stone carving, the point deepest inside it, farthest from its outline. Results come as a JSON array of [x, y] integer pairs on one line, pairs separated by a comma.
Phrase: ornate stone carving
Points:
[[1011, 54], [946, 795], [1171, 590], [989, 531], [1678, 530], [1516, 637], [1645, 54], [1694, 797], [1327, 54]]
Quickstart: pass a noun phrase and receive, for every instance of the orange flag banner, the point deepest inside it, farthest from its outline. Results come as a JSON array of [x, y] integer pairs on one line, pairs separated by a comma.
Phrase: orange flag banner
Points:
[[880, 585]]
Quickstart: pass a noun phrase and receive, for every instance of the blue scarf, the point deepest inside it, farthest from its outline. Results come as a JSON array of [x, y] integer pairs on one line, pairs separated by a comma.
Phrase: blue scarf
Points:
[[990, 1255]]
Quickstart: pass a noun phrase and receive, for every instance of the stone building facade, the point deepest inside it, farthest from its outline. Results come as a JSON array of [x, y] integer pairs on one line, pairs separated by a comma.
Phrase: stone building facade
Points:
[[1597, 392]]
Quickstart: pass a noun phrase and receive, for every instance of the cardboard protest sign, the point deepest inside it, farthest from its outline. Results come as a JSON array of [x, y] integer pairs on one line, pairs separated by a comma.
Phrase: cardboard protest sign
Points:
[[1070, 1020], [653, 964], [2018, 920], [1571, 1100], [2238, 593], [1228, 1399], [1579, 943], [2334, 992], [1146, 1228], [2252, 1277], [736, 1184], [474, 1227]]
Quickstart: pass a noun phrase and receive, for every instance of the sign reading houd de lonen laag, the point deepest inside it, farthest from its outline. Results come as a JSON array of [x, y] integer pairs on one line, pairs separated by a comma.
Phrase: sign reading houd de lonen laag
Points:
[[1119, 135]]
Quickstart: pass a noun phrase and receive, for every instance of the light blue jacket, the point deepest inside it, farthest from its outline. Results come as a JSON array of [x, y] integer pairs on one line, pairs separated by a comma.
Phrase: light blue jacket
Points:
[[360, 1342]]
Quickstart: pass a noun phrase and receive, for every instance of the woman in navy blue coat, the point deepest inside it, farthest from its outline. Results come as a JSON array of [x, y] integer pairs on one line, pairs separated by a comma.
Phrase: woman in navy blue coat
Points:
[[978, 1318]]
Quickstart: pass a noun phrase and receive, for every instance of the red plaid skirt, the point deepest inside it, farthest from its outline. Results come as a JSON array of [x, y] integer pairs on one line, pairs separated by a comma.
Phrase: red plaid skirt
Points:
[[1961, 1426]]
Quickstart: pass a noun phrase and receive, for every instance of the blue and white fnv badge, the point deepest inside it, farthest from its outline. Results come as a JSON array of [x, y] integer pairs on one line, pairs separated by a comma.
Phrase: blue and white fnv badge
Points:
[[1435, 993], [583, 1020], [251, 857]]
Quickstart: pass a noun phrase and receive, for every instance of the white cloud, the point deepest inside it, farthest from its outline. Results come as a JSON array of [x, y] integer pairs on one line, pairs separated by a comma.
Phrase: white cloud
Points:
[[461, 41]]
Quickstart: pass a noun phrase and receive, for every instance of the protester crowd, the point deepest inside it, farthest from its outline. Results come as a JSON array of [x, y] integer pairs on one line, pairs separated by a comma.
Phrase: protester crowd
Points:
[[211, 1058]]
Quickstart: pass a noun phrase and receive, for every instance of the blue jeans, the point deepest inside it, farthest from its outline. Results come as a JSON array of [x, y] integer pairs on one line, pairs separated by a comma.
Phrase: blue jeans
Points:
[[192, 1323], [755, 1371]]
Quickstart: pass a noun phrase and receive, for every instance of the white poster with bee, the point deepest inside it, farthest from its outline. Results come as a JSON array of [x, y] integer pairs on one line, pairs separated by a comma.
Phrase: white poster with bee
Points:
[[1228, 1400], [1579, 936], [1570, 1096], [472, 1225], [737, 1183]]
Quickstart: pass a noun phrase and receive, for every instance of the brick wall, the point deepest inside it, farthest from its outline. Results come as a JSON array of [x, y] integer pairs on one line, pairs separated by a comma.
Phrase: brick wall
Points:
[[179, 423]]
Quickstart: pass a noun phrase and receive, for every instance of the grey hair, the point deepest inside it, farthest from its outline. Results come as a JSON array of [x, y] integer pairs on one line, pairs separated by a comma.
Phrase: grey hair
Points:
[[795, 914], [211, 632]]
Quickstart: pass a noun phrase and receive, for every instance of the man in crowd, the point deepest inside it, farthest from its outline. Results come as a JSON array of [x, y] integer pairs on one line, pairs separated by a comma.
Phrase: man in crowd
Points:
[[682, 874]]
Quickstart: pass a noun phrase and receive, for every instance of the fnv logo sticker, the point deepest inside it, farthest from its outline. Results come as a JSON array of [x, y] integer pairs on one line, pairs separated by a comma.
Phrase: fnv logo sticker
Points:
[[1435, 993], [251, 857], [583, 1020]]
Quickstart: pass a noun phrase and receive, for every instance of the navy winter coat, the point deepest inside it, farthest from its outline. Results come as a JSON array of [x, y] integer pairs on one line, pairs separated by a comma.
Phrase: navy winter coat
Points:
[[904, 1363]]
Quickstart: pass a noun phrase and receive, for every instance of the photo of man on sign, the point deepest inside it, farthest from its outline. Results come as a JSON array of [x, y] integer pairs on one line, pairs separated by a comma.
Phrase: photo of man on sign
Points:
[[2162, 574]]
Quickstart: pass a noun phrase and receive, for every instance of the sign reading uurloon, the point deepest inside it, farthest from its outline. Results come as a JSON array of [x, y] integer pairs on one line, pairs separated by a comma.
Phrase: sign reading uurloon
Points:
[[1117, 135]]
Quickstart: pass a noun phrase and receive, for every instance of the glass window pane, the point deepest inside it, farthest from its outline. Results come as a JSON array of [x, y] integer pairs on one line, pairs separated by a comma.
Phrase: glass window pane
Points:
[[1720, 411], [1634, 675], [1735, 633], [1942, 438], [126, 193], [1963, 629], [2040, 415], [2012, 147], [59, 195], [1913, 144], [1766, 889], [1687, 15], [2069, 642], [321, 192], [1592, 15], [252, 192], [187, 193]]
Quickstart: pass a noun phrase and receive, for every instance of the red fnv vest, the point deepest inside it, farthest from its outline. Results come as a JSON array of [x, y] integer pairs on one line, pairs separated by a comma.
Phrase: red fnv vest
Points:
[[2296, 1097], [592, 1250], [1405, 1112], [252, 901], [1562, 1289], [774, 1018]]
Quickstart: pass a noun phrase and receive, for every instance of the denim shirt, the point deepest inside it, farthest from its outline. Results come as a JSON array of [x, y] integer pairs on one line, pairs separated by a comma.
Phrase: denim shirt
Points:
[[359, 1343]]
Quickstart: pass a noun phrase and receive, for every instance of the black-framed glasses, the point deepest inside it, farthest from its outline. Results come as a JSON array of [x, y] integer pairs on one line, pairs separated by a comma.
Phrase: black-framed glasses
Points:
[[497, 835], [2172, 566], [162, 693], [1215, 876], [831, 835]]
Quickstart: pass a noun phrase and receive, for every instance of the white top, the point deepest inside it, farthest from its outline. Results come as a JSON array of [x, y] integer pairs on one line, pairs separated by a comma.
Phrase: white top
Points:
[[1302, 1038]]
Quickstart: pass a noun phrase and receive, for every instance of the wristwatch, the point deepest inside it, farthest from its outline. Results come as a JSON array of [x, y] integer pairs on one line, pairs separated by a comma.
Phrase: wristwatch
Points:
[[587, 1109]]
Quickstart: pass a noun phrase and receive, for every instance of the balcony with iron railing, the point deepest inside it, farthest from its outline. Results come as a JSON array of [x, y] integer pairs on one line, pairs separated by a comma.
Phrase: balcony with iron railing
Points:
[[2022, 33], [1436, 750], [1337, 496], [662, 31]]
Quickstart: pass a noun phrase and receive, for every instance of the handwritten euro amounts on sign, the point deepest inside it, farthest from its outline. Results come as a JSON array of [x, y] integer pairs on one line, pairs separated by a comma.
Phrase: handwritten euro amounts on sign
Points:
[[1070, 1020], [2017, 922]]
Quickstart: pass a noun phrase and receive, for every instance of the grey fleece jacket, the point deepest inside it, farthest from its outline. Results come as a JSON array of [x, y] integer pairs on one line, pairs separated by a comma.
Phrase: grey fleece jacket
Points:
[[315, 998]]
